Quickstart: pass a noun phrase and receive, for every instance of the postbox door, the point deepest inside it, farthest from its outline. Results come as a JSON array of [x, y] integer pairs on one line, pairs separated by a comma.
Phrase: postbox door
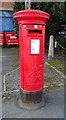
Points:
[[31, 60], [33, 63]]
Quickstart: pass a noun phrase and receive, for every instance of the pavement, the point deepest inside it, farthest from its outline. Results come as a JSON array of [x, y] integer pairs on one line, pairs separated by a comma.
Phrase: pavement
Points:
[[53, 92], [53, 108]]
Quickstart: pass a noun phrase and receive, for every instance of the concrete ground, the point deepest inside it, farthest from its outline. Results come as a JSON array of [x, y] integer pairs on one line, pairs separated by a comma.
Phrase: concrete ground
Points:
[[53, 108], [54, 90]]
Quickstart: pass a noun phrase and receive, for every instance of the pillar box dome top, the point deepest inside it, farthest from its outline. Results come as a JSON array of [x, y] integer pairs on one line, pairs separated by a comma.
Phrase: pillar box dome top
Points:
[[31, 16]]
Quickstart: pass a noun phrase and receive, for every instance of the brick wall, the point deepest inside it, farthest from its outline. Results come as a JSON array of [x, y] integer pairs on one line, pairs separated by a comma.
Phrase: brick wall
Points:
[[6, 5]]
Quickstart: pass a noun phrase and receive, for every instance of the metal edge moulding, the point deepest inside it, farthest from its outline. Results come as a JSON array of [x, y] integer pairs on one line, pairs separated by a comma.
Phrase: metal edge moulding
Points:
[[33, 16]]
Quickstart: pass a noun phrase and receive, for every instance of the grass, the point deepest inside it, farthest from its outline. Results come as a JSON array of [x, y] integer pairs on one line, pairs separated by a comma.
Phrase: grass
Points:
[[61, 53], [7, 88], [7, 96], [59, 65], [52, 86], [49, 79]]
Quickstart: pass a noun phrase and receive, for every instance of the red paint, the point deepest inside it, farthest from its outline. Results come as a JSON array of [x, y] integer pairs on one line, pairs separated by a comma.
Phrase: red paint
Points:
[[11, 38], [31, 27], [1, 37]]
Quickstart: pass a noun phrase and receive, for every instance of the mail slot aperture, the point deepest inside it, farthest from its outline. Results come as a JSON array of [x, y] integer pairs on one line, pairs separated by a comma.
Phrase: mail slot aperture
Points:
[[34, 32]]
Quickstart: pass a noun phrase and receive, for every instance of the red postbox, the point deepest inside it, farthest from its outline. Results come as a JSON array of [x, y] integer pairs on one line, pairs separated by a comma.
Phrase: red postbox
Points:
[[31, 42], [1, 37], [11, 38]]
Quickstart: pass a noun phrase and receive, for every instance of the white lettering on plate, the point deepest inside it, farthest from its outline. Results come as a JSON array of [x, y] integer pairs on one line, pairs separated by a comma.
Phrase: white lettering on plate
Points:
[[35, 46]]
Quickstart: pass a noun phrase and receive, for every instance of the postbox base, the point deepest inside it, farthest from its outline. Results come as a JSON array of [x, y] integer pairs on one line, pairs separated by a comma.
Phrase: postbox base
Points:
[[31, 100]]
